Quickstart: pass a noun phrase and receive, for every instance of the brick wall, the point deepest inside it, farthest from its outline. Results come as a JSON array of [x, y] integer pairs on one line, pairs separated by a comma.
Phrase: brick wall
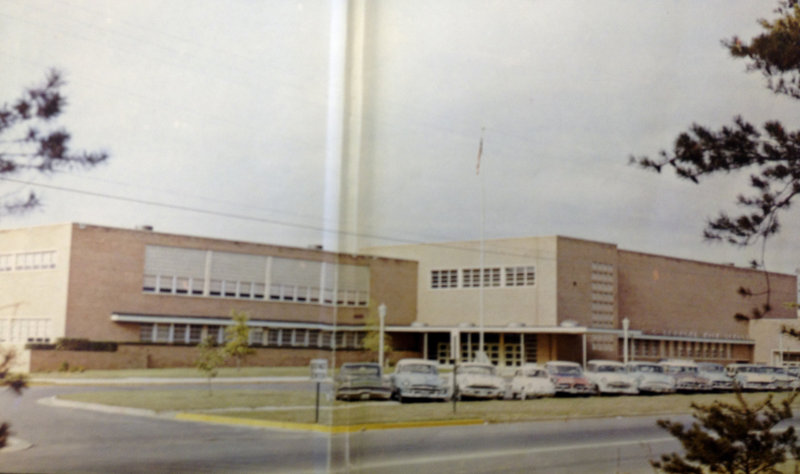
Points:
[[136, 356]]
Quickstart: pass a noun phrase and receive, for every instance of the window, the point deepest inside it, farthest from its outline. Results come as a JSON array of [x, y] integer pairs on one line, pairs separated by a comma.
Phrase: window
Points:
[[195, 334], [34, 260], [6, 262], [326, 340], [182, 285], [491, 277], [299, 338], [146, 332], [472, 278], [314, 337], [215, 334], [256, 336], [520, 276], [166, 284], [150, 282], [179, 334], [162, 333], [274, 337], [444, 279]]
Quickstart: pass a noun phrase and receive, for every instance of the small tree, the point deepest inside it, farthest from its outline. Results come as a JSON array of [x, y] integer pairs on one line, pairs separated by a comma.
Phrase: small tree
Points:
[[210, 359], [15, 382], [732, 438], [372, 337], [238, 338]]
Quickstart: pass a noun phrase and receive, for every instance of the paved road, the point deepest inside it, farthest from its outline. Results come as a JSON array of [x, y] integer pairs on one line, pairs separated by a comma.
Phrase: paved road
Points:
[[69, 440]]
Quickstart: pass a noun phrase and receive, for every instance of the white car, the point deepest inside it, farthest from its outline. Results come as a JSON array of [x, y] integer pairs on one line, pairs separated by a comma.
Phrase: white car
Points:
[[650, 377], [610, 376], [687, 375], [717, 378], [479, 380], [783, 380], [531, 380], [751, 377]]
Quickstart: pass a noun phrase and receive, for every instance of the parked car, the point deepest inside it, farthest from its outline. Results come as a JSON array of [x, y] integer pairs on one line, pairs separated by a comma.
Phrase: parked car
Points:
[[751, 376], [717, 377], [610, 377], [650, 377], [783, 380], [418, 379], [687, 375], [568, 378], [361, 381], [794, 371], [479, 380], [531, 380]]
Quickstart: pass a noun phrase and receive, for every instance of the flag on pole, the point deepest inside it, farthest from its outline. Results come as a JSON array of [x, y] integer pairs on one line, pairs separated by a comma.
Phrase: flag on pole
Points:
[[480, 152]]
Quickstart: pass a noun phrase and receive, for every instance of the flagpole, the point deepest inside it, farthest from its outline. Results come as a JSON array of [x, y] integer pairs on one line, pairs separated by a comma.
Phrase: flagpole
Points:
[[481, 354]]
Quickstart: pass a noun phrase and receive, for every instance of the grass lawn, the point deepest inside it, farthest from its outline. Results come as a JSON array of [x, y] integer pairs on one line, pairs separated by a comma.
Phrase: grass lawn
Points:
[[184, 372], [296, 406]]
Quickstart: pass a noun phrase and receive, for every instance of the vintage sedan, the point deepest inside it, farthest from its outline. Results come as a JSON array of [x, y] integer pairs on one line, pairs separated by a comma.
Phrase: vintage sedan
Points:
[[361, 381], [687, 375], [717, 378], [418, 379], [751, 377], [479, 380], [650, 377], [610, 377], [531, 380], [568, 378], [783, 380]]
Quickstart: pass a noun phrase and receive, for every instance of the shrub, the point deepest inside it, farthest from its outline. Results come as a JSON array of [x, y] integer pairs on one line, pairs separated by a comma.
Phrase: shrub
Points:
[[72, 344], [732, 438]]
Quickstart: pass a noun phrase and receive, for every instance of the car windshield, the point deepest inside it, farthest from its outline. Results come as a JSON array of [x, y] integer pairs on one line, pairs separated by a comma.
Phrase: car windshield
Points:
[[535, 373], [418, 369], [368, 370], [565, 369], [752, 369], [476, 370], [712, 368], [609, 368], [682, 369], [649, 369]]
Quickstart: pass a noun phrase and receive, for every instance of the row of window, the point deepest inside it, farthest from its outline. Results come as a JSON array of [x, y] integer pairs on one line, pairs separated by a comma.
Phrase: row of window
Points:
[[283, 337], [25, 330], [40, 260], [170, 284], [493, 277], [687, 349]]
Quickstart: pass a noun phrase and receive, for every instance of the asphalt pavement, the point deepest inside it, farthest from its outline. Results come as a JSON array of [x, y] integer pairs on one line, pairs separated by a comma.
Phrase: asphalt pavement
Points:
[[69, 440]]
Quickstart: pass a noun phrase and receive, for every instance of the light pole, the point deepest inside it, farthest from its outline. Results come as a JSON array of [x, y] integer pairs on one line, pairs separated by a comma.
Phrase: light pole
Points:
[[382, 316], [625, 326]]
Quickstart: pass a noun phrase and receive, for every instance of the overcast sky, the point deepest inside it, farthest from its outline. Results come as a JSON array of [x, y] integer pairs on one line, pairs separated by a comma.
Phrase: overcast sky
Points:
[[222, 107]]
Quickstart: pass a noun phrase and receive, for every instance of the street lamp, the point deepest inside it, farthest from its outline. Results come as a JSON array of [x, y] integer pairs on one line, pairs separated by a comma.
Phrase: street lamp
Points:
[[626, 323], [382, 316]]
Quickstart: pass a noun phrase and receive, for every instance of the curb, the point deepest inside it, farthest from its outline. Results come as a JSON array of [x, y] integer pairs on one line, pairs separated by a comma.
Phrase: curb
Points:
[[14, 445], [326, 429], [229, 420]]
